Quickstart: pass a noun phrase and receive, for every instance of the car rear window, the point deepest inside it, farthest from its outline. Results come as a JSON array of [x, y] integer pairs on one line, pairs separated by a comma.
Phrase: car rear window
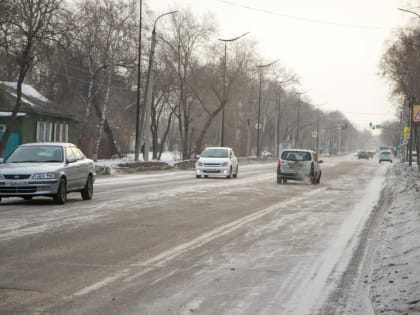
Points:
[[295, 156]]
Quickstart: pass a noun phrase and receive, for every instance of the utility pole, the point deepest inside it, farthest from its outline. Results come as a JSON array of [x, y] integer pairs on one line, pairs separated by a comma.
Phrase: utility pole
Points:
[[149, 89], [277, 144], [260, 67], [339, 126], [224, 100], [138, 129], [410, 140], [317, 132], [298, 120], [278, 125], [258, 116]]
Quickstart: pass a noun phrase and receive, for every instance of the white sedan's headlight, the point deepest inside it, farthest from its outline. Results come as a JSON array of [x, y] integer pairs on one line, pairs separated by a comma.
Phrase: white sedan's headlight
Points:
[[48, 175], [225, 164]]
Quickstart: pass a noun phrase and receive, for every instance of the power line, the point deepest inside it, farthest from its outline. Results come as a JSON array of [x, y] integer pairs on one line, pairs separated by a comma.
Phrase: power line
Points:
[[302, 18]]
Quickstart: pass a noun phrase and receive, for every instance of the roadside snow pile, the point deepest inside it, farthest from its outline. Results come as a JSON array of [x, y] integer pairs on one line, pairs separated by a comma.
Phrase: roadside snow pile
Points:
[[128, 165], [395, 287]]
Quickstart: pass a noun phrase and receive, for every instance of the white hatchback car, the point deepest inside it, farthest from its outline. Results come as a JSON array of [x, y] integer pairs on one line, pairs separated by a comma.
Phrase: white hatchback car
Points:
[[385, 155], [217, 161]]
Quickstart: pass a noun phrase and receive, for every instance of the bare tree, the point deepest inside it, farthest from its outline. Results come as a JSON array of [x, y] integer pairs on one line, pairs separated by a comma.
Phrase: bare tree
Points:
[[163, 109], [401, 63], [100, 53], [208, 88], [188, 36], [26, 25]]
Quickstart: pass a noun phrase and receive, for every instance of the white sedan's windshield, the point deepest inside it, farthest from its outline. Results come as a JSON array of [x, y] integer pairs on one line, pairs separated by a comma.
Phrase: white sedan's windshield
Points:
[[215, 153], [35, 154]]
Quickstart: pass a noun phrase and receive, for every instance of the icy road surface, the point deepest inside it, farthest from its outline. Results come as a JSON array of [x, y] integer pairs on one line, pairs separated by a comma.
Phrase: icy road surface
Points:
[[167, 243]]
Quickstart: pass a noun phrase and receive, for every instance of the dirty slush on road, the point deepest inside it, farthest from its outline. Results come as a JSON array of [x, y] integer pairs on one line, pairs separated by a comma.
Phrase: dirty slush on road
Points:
[[383, 276]]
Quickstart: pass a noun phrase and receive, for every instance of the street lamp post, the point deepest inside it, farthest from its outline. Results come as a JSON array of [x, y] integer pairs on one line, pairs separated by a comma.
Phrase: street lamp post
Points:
[[260, 67], [224, 100], [137, 140], [149, 89], [278, 118], [298, 120], [317, 131], [278, 125]]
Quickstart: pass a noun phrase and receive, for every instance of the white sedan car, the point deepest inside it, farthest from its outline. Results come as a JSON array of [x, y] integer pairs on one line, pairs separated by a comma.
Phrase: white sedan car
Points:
[[47, 169], [217, 161]]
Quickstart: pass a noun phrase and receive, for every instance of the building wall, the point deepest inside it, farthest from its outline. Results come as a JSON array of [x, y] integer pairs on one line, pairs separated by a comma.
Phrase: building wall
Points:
[[28, 129], [25, 130]]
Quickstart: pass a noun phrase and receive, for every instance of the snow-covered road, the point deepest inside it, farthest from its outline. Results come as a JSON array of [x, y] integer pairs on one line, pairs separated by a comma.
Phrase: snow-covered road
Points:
[[168, 243]]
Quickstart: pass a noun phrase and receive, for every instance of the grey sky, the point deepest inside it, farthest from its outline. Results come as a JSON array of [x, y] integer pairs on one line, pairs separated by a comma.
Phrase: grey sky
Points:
[[333, 46]]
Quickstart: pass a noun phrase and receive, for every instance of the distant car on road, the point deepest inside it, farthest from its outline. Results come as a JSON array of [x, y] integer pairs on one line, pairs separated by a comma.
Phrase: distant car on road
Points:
[[266, 154], [371, 153], [47, 169], [217, 161], [363, 155], [385, 155], [298, 164]]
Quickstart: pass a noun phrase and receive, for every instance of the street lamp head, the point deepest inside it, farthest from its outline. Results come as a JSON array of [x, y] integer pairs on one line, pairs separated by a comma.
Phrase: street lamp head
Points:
[[233, 39], [268, 64], [157, 19]]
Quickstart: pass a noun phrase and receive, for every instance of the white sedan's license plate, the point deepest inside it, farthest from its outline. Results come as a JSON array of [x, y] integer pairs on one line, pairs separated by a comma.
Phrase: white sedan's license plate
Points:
[[17, 183]]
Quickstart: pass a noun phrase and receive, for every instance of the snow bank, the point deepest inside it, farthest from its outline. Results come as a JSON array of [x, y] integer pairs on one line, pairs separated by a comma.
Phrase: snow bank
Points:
[[112, 165], [395, 281]]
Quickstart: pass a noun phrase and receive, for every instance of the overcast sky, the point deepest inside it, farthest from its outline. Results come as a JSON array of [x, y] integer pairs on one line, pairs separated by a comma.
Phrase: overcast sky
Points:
[[333, 46]]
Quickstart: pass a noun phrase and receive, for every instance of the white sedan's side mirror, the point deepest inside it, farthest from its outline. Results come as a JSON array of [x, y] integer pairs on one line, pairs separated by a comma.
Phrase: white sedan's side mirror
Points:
[[197, 156]]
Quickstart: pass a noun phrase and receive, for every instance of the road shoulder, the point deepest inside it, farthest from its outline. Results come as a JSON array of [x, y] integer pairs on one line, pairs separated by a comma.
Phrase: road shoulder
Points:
[[382, 277]]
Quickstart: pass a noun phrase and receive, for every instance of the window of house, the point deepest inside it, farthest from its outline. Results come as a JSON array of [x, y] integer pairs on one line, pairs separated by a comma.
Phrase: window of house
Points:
[[47, 131], [44, 130], [61, 132]]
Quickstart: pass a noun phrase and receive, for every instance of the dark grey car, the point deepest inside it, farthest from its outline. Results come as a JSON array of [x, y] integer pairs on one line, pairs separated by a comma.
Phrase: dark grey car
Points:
[[47, 169]]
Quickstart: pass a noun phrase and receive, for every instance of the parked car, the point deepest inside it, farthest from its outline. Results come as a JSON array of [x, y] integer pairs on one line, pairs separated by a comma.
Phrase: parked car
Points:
[[363, 155], [385, 155], [47, 169], [217, 161], [298, 165]]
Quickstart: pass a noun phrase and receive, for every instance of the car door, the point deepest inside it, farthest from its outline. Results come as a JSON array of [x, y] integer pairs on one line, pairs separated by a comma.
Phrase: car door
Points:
[[83, 167], [79, 168], [305, 162], [234, 160], [70, 168]]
